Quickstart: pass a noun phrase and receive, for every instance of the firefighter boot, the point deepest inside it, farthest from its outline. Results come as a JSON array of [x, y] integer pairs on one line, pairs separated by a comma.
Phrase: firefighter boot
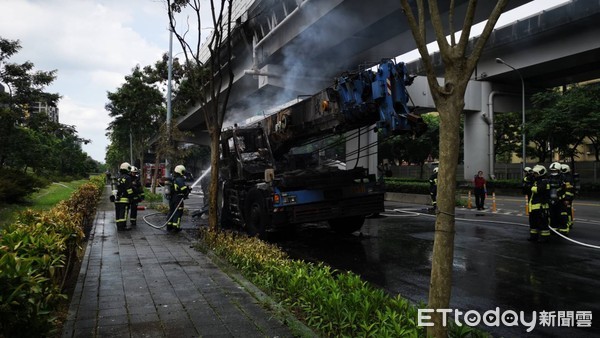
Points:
[[544, 236], [533, 236]]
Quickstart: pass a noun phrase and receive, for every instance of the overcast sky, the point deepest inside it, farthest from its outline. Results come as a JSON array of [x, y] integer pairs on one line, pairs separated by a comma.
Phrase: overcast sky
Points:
[[94, 44]]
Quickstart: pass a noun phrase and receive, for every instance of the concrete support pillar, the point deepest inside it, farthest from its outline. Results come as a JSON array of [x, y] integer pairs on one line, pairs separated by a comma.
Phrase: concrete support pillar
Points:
[[477, 138], [367, 156]]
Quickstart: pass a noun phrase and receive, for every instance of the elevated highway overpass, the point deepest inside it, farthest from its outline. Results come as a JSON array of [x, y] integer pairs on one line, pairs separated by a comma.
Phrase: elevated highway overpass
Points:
[[288, 48], [553, 48]]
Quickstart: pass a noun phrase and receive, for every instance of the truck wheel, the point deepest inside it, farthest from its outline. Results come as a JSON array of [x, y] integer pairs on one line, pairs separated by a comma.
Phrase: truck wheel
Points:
[[256, 216], [346, 225]]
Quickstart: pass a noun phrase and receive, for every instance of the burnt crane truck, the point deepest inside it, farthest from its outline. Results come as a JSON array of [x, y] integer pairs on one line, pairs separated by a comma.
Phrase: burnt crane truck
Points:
[[266, 183]]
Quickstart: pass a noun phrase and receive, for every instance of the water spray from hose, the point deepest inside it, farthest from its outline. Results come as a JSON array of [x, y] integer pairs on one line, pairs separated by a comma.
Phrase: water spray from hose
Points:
[[173, 214]]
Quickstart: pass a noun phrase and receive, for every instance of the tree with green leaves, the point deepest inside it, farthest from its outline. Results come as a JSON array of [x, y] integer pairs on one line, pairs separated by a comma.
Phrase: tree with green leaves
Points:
[[580, 106], [209, 81], [542, 121], [506, 136], [562, 120], [31, 140], [22, 85], [137, 109], [589, 122], [459, 59], [414, 150]]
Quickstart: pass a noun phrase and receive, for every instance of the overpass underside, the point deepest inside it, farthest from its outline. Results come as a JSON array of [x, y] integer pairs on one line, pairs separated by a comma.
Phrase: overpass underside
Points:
[[288, 48]]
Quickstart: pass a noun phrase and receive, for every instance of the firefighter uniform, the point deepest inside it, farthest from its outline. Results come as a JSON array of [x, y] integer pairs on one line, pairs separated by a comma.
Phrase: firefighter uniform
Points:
[[557, 195], [433, 180], [538, 206], [180, 191], [137, 196], [527, 182], [123, 196], [569, 195]]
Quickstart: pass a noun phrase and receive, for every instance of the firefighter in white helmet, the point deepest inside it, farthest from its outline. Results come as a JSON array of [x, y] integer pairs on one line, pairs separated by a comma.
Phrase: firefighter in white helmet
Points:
[[557, 194], [137, 197], [123, 196], [538, 206], [433, 180], [569, 196], [179, 193], [527, 182]]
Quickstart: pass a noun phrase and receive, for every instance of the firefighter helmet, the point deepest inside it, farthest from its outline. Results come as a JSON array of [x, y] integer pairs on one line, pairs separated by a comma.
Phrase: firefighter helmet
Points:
[[125, 166], [555, 166], [540, 170], [564, 168], [435, 170], [527, 169], [134, 169], [180, 169]]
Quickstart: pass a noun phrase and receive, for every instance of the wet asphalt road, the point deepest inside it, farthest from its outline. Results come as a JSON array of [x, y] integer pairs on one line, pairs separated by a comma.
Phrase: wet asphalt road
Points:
[[494, 265]]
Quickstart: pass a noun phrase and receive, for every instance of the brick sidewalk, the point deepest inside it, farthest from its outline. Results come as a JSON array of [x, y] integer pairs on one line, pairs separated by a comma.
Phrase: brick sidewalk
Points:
[[150, 283]]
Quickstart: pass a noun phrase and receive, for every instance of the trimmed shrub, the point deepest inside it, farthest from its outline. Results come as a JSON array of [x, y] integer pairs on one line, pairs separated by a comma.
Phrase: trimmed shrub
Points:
[[332, 302], [37, 254]]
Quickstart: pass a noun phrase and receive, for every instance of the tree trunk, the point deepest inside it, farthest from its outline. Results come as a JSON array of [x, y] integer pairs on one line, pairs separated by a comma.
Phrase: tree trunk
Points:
[[213, 218], [443, 247]]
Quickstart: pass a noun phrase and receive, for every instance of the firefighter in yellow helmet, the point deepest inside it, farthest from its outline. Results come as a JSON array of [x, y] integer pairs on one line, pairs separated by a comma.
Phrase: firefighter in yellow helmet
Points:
[[538, 206], [123, 196], [179, 193]]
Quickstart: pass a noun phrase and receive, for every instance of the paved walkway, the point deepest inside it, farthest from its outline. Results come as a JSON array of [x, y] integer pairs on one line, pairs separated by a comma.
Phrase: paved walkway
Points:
[[150, 283]]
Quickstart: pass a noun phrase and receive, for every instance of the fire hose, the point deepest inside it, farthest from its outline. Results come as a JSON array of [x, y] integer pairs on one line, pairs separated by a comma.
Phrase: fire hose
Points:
[[412, 213], [173, 214]]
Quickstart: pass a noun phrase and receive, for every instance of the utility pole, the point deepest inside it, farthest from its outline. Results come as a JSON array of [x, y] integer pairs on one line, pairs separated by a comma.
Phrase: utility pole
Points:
[[130, 147], [168, 120]]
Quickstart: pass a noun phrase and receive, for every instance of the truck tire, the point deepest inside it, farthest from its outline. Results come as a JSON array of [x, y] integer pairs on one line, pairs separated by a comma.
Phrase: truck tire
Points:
[[256, 216], [224, 215], [346, 225]]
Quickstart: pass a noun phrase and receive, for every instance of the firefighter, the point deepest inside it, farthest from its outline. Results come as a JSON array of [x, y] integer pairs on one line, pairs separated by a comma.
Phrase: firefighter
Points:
[[180, 191], [137, 197], [433, 180], [538, 206], [527, 182], [569, 195], [557, 197], [123, 196]]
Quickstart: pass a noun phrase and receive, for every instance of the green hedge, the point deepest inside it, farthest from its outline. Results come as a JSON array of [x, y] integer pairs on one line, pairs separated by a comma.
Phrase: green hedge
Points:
[[37, 254], [331, 302], [510, 187]]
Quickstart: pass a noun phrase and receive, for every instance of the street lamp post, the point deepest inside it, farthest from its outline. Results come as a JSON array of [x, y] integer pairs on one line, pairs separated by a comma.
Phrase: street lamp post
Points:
[[499, 60]]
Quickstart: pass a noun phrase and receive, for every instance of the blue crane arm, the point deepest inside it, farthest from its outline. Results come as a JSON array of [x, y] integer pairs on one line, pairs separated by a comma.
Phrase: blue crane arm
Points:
[[357, 99]]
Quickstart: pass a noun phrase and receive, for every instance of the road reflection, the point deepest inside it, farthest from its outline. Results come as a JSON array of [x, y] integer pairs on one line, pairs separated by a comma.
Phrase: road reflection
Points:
[[494, 266]]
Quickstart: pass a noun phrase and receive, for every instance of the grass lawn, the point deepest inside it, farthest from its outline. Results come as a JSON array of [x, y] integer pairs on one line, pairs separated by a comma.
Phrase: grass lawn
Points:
[[44, 199]]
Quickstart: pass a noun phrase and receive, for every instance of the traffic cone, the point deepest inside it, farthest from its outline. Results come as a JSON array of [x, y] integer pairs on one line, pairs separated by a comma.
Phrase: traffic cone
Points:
[[526, 205], [469, 205], [493, 202]]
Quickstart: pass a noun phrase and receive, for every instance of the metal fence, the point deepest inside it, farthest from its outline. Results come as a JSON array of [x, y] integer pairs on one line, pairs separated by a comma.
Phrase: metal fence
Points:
[[589, 172]]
